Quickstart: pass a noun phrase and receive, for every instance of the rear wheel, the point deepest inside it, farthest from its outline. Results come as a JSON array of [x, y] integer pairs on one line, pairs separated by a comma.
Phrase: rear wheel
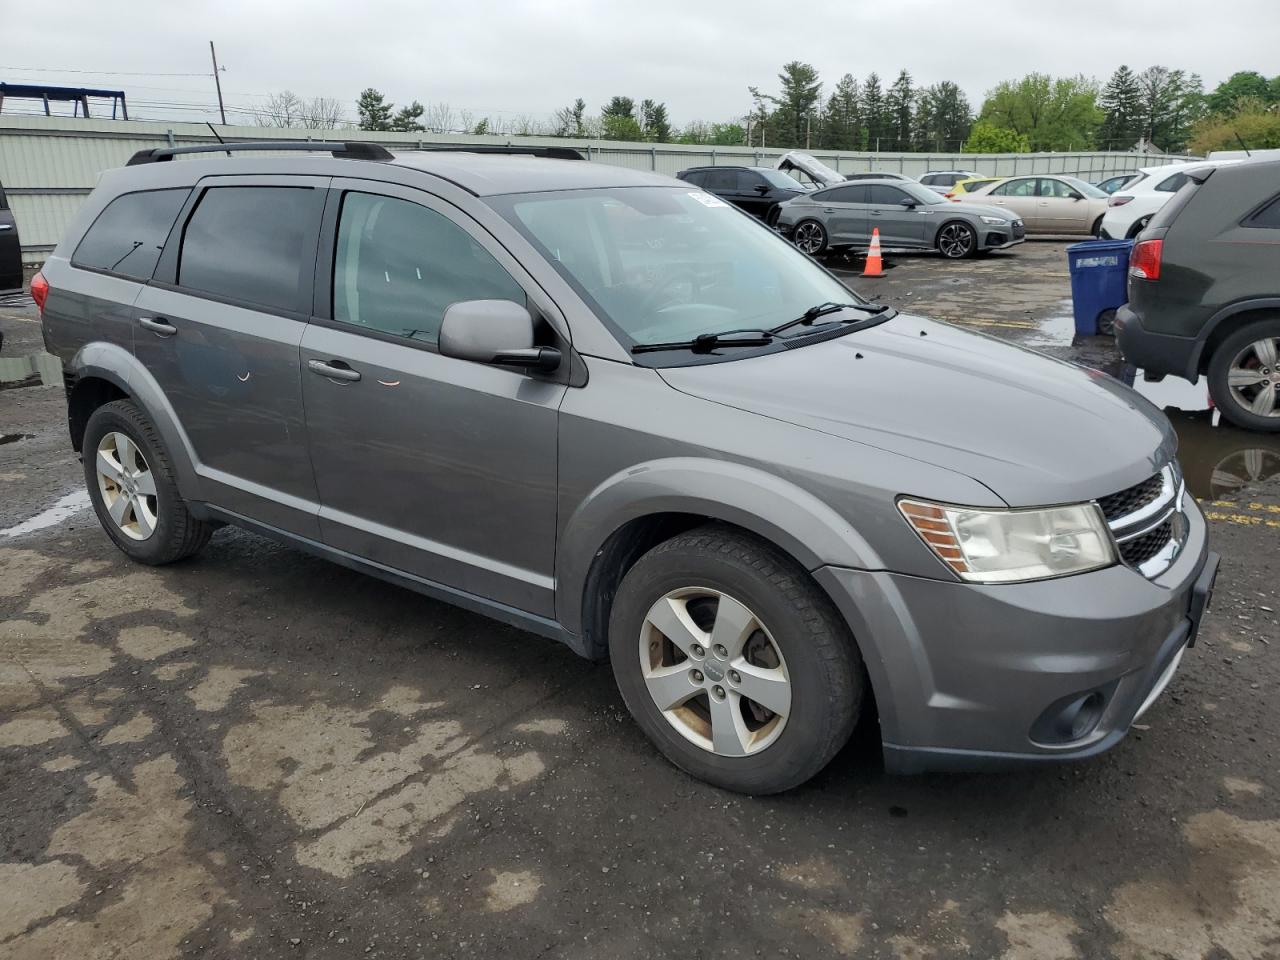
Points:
[[733, 662], [1244, 377], [957, 240], [810, 236], [1139, 225], [132, 486]]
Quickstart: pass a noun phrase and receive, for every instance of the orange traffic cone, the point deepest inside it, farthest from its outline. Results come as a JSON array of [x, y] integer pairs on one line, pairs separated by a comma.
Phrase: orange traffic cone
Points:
[[874, 267]]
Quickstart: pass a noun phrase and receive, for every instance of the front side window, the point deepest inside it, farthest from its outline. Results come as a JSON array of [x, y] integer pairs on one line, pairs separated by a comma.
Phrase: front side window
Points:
[[1016, 188], [399, 265], [883, 196], [253, 244], [1056, 189], [660, 264], [129, 234]]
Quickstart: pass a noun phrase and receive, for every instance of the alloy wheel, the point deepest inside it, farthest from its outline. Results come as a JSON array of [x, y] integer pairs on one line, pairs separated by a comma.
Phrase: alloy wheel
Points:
[[955, 241], [809, 237], [712, 668], [127, 485], [1252, 378]]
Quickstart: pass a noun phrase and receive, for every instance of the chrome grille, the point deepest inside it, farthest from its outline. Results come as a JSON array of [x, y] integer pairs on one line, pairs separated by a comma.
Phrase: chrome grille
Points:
[[1147, 522]]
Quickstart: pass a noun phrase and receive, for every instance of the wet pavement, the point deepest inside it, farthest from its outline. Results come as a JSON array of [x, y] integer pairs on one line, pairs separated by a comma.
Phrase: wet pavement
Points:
[[259, 754]]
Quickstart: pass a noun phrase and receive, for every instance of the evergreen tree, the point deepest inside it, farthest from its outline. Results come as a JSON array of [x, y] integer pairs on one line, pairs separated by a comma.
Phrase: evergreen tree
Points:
[[373, 110], [654, 122], [618, 120], [408, 119], [943, 118], [795, 107], [874, 120], [1170, 101], [899, 103], [841, 123], [1121, 101]]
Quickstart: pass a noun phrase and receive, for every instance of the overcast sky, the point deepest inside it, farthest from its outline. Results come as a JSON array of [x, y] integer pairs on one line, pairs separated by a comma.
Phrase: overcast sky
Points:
[[521, 57]]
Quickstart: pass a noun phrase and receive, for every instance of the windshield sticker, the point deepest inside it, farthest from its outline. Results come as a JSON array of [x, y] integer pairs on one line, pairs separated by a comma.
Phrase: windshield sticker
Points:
[[707, 200]]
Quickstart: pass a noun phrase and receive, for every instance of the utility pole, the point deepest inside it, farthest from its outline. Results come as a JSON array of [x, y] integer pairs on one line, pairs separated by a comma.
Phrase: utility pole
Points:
[[218, 83], [808, 129]]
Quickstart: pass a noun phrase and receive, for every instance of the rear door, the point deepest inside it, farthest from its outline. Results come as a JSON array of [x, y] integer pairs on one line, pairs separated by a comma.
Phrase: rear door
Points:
[[219, 329], [899, 225], [844, 211], [440, 467], [724, 184], [10, 247], [1018, 196], [750, 197]]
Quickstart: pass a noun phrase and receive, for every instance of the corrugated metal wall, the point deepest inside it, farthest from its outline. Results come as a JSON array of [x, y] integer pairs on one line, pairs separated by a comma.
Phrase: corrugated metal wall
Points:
[[49, 164]]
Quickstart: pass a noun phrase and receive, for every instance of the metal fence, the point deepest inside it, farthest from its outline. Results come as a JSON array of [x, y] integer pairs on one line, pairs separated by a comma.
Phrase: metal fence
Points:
[[49, 164]]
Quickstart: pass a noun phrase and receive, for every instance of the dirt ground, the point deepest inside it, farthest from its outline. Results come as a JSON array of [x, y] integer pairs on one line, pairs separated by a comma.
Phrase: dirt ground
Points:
[[259, 754]]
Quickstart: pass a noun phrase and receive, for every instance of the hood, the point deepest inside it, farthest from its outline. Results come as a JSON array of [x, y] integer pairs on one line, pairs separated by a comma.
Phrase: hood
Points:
[[1033, 429]]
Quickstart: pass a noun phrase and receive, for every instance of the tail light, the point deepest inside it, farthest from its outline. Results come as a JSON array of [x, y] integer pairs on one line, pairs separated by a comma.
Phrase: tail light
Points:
[[951, 195], [1115, 201], [1144, 259], [39, 291]]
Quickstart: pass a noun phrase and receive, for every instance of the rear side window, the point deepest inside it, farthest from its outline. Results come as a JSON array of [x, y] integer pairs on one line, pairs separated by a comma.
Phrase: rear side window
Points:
[[253, 244], [843, 195], [129, 234], [725, 181], [398, 266], [1017, 188], [932, 178], [693, 176], [1267, 217]]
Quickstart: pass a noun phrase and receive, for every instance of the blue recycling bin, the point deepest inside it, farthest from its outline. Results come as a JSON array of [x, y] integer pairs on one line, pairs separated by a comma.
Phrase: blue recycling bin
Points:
[[1099, 273]]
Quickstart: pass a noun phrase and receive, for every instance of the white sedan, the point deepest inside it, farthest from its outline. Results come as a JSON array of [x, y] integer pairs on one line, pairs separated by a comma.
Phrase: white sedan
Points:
[[1131, 208]]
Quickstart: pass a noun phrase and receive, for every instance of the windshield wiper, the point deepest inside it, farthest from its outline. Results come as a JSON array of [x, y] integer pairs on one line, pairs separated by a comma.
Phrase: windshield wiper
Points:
[[823, 309], [706, 342]]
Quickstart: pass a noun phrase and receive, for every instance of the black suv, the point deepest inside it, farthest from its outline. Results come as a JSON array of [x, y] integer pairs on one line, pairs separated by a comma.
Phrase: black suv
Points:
[[10, 248], [757, 190], [1204, 291]]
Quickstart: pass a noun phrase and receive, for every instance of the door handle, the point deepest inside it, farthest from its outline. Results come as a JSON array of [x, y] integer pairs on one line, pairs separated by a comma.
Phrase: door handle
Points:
[[828, 210], [159, 326], [333, 370]]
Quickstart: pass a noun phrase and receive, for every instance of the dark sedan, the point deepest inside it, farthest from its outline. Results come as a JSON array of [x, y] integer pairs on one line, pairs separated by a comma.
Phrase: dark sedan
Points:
[[757, 190]]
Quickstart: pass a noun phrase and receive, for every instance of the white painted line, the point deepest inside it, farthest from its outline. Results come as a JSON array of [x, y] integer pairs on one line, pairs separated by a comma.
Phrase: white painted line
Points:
[[60, 512]]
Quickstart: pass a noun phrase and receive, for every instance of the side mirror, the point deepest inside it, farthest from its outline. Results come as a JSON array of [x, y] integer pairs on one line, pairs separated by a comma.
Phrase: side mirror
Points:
[[494, 331], [909, 204], [762, 188]]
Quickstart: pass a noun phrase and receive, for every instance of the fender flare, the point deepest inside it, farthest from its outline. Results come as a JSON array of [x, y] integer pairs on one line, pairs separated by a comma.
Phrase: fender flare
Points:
[[1240, 306], [793, 519], [110, 362]]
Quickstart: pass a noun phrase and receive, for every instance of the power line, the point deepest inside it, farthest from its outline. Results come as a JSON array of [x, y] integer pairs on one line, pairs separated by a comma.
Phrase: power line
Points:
[[100, 73]]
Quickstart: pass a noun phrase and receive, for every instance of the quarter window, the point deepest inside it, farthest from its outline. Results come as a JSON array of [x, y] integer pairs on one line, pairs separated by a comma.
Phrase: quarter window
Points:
[[128, 235], [399, 265], [253, 244], [1268, 216], [1172, 184]]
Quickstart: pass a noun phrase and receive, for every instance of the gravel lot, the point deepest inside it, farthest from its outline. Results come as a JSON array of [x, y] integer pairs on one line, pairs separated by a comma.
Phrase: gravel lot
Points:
[[259, 754]]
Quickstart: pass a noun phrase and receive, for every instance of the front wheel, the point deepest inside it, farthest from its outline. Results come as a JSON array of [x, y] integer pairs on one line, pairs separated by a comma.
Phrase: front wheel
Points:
[[733, 662], [957, 240], [1244, 377], [810, 236]]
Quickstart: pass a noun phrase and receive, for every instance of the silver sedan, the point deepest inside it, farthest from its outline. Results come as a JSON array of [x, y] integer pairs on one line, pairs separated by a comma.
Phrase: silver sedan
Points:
[[908, 215]]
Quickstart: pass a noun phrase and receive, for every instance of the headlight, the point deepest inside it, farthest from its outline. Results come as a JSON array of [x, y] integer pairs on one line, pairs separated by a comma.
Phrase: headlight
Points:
[[1005, 546], [996, 221]]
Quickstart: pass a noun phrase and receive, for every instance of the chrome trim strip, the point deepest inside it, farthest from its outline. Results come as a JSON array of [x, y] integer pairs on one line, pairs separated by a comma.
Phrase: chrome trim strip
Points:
[[1167, 492]]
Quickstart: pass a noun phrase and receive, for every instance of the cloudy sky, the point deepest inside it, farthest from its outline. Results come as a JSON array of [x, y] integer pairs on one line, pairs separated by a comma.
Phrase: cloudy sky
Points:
[[522, 57]]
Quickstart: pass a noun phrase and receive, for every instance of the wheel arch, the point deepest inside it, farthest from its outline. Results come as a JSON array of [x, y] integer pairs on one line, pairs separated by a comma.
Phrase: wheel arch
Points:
[[1217, 329], [104, 372]]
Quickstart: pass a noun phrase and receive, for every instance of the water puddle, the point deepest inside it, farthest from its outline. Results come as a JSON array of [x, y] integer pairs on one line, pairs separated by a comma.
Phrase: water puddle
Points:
[[60, 512]]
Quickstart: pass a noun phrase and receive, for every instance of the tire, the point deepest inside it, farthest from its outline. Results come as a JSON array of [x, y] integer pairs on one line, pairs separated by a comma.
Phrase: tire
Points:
[[154, 525], [810, 236], [771, 216], [957, 240], [792, 635], [1107, 323], [1138, 226], [1256, 378], [1096, 232]]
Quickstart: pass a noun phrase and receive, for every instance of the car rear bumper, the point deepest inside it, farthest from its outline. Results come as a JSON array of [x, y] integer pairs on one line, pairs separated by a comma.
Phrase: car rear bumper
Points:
[[1155, 353], [970, 676]]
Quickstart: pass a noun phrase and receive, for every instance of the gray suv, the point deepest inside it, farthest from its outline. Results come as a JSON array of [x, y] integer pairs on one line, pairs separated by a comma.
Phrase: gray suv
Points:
[[610, 409]]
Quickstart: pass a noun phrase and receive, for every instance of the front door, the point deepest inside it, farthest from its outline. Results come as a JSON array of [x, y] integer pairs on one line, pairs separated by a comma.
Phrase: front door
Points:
[[219, 327], [899, 225], [442, 468], [1062, 208]]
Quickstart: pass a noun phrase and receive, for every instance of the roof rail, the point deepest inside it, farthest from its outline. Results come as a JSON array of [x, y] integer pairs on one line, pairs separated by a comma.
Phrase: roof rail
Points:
[[551, 153], [346, 151]]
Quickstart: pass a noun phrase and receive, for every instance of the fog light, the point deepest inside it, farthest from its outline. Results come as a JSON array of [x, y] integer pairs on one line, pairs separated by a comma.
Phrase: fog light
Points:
[[1073, 717]]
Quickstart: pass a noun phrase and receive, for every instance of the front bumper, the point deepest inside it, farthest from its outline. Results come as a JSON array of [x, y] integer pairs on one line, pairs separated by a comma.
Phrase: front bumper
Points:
[[1156, 353], [971, 676]]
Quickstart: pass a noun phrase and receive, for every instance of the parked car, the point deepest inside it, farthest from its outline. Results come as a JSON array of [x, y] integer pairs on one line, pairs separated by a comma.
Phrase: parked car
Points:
[[1204, 290], [1112, 184], [877, 175], [907, 214], [1047, 204], [607, 408], [941, 181], [10, 247], [1130, 209], [757, 190], [808, 169], [965, 186]]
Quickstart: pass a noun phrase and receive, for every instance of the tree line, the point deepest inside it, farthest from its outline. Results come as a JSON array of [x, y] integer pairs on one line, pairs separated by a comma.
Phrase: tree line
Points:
[[1159, 107]]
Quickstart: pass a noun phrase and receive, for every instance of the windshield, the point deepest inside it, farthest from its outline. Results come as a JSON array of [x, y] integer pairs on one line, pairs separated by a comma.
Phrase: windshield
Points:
[[779, 179], [662, 264], [1088, 189]]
